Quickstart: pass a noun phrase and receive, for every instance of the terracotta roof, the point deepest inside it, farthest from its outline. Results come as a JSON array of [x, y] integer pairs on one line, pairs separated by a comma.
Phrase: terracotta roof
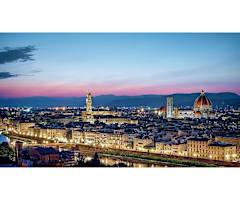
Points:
[[202, 100]]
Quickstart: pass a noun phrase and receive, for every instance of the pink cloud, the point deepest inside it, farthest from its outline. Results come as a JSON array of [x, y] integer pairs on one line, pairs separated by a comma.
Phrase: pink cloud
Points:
[[117, 88]]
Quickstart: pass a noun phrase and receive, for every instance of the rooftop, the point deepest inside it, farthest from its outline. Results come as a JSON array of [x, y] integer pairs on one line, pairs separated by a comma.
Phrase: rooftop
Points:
[[46, 150], [199, 139], [221, 144], [229, 135]]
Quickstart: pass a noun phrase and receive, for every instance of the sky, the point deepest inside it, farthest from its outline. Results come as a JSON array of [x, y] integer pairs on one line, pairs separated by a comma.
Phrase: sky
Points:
[[71, 64]]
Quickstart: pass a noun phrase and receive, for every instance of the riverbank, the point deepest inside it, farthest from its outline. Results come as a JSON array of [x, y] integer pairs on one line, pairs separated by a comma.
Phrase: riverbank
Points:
[[168, 162]]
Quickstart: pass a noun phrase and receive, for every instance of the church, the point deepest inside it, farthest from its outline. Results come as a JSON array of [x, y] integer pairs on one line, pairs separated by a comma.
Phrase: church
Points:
[[202, 108]]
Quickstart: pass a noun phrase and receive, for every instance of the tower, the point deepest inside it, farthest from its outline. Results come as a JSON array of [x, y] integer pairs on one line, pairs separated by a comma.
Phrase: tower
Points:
[[170, 107], [89, 114], [18, 151], [89, 103]]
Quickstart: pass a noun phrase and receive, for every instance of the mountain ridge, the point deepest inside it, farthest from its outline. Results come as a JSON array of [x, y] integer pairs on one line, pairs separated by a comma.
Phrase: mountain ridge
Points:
[[151, 100]]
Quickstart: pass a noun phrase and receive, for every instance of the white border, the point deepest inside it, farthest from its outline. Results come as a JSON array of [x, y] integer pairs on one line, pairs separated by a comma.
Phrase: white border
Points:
[[119, 16], [122, 184]]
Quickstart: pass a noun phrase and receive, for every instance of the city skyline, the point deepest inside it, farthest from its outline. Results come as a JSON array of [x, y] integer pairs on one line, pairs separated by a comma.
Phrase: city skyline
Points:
[[88, 137], [70, 64]]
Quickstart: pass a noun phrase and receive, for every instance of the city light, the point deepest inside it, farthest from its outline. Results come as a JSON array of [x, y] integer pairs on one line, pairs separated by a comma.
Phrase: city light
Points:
[[132, 130], [227, 156]]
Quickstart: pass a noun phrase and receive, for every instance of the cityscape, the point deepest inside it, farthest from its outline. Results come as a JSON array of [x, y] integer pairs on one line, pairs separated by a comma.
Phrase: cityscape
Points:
[[153, 109]]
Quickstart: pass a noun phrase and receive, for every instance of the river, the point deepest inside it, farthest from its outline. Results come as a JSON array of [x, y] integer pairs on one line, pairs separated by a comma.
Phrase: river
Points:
[[111, 160]]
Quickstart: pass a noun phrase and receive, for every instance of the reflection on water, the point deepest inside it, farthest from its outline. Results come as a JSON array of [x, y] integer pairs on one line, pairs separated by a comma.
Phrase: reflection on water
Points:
[[110, 161]]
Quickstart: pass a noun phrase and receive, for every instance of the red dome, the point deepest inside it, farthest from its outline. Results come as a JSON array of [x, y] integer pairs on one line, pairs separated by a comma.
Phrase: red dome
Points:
[[202, 103]]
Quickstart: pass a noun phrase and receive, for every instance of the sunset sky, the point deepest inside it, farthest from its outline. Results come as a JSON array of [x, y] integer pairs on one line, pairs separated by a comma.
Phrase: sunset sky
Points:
[[67, 64]]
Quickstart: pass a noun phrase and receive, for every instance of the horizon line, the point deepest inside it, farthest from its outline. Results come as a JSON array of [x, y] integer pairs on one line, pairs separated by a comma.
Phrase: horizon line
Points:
[[150, 94]]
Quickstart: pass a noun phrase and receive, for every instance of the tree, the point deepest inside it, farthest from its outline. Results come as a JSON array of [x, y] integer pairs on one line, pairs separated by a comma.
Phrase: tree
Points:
[[7, 154], [80, 161], [96, 161]]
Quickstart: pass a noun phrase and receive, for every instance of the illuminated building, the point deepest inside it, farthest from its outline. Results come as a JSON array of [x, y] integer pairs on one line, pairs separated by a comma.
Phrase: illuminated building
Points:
[[91, 115], [198, 147], [4, 120], [162, 111], [77, 136], [58, 134], [163, 148], [23, 127], [159, 147], [104, 112], [88, 115], [118, 141], [171, 149], [101, 139], [183, 113], [208, 149], [179, 149], [118, 120], [230, 139], [222, 151], [88, 118], [170, 107], [140, 144], [89, 103], [202, 106], [60, 109]]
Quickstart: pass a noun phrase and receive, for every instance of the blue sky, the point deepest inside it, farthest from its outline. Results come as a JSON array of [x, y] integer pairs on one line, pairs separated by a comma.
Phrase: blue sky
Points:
[[69, 64]]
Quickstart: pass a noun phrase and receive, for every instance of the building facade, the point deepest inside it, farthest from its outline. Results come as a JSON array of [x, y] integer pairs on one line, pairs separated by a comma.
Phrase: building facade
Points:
[[118, 120], [208, 149], [23, 127], [139, 144], [101, 139]]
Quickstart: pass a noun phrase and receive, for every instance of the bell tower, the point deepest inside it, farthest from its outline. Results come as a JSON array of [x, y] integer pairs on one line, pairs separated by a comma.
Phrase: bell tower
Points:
[[89, 103]]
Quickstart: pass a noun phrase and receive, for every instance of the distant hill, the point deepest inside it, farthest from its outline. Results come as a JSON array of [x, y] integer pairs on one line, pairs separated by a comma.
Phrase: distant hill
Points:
[[218, 99]]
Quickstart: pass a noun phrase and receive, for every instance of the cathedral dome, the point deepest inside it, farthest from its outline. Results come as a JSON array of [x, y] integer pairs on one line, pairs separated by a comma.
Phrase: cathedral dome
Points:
[[202, 103]]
